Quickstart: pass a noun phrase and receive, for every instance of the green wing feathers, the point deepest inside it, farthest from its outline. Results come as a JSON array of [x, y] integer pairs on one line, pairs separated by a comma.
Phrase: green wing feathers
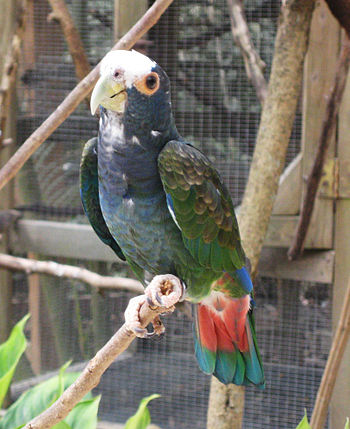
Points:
[[201, 206], [90, 196]]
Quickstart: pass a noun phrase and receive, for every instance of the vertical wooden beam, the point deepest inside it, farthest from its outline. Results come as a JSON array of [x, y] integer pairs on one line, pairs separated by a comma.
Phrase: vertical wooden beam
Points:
[[7, 26], [34, 310], [340, 404], [318, 78], [126, 14]]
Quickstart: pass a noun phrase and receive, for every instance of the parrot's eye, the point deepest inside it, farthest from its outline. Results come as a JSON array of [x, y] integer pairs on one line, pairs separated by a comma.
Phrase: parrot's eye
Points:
[[149, 84], [151, 81]]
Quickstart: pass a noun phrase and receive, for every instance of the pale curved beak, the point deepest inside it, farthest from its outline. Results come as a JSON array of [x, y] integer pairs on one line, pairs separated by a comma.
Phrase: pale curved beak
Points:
[[105, 93]]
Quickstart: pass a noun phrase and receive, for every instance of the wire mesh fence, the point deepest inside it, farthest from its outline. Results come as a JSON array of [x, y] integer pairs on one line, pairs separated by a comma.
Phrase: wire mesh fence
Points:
[[216, 108]]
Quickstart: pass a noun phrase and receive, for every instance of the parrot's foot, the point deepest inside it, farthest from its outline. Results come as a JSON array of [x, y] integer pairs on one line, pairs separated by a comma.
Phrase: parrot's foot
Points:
[[163, 291]]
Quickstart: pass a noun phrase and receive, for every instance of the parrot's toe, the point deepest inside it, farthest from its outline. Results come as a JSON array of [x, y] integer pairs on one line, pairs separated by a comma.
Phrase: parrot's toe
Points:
[[132, 316], [158, 326], [164, 291]]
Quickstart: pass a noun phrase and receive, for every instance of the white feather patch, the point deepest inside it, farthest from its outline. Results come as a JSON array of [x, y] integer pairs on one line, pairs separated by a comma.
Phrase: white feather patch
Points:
[[131, 64]]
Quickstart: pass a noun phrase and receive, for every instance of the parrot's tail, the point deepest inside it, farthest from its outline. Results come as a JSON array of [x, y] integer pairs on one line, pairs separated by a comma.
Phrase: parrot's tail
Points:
[[225, 342]]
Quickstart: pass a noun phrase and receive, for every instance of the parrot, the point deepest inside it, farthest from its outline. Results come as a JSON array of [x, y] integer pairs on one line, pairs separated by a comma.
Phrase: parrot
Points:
[[161, 206]]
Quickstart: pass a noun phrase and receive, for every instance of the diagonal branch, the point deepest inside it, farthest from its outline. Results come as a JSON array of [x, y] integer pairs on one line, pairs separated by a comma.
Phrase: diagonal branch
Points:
[[328, 127], [61, 13], [254, 65], [74, 98], [91, 375], [69, 272]]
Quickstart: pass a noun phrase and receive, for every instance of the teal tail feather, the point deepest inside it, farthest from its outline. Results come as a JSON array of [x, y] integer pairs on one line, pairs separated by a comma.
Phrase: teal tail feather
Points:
[[225, 340]]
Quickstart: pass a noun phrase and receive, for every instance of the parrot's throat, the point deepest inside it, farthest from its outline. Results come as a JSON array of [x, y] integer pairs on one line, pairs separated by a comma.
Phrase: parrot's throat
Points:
[[130, 154]]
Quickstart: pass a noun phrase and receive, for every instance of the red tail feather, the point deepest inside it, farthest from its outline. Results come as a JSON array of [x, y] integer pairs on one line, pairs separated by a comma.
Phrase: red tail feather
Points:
[[222, 321]]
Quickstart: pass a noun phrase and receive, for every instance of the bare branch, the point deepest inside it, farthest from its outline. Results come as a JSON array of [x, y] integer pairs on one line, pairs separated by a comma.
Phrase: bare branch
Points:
[[8, 79], [74, 98], [91, 375], [61, 13], [69, 272], [254, 65], [328, 127], [334, 360]]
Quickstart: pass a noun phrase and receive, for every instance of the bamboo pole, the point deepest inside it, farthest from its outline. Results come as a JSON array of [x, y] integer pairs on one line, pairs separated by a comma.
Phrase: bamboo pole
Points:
[[329, 377]]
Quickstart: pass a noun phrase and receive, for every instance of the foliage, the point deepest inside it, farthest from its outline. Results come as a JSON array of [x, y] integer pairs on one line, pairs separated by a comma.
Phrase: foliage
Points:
[[10, 353], [37, 399], [304, 424], [141, 419]]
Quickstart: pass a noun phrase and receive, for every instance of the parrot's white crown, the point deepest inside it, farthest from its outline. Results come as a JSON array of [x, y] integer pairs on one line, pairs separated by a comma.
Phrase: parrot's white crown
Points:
[[133, 65]]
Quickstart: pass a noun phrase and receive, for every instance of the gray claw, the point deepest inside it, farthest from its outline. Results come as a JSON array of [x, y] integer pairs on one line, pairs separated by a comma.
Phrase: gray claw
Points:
[[150, 303], [159, 299], [145, 333]]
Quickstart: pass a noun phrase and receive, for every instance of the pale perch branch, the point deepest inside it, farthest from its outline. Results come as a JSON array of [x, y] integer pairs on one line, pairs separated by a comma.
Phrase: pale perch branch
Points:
[[329, 377], [91, 375], [69, 272], [75, 97], [254, 65], [328, 127]]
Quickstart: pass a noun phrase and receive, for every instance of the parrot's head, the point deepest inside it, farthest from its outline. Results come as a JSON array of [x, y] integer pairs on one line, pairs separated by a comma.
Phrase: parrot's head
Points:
[[134, 87]]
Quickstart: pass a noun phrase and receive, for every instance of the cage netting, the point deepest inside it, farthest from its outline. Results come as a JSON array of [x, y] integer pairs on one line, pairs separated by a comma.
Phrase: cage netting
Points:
[[216, 108]]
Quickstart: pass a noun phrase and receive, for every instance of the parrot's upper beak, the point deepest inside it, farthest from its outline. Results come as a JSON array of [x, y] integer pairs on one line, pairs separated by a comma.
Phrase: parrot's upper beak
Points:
[[109, 94]]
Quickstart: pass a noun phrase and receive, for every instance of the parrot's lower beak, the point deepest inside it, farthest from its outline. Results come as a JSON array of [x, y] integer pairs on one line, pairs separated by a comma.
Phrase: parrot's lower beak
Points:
[[109, 94]]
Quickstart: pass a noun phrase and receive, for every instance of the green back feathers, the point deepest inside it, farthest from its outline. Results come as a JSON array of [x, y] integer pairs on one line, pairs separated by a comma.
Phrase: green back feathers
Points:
[[202, 207]]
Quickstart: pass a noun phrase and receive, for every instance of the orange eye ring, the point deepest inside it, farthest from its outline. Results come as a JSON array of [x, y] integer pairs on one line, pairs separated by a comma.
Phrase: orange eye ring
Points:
[[149, 84]]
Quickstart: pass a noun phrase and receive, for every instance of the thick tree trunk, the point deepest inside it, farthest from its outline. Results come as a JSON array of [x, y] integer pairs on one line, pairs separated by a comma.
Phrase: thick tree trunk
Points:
[[226, 402]]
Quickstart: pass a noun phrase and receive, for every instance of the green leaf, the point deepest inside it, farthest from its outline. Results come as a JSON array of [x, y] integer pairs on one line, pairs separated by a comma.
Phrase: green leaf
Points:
[[84, 414], [141, 419], [347, 423], [61, 378], [304, 424], [10, 353], [34, 401], [62, 425]]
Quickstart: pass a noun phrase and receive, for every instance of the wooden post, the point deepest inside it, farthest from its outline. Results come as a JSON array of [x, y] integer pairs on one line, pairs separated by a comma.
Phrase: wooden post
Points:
[[126, 13], [7, 26], [340, 404], [318, 78], [34, 310]]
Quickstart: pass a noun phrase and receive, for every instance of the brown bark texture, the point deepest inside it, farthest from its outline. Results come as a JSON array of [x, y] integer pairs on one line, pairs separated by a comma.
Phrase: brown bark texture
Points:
[[61, 13], [254, 65], [226, 402], [9, 73], [275, 126]]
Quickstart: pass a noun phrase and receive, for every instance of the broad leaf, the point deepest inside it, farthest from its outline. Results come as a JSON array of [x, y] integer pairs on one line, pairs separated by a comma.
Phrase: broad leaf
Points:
[[10, 353], [84, 414], [34, 401], [62, 425], [304, 424], [347, 423], [141, 419]]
